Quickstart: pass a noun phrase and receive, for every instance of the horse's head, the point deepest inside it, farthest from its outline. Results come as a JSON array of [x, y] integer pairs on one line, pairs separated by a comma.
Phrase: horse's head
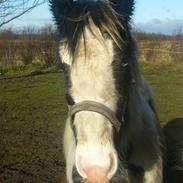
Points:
[[93, 34]]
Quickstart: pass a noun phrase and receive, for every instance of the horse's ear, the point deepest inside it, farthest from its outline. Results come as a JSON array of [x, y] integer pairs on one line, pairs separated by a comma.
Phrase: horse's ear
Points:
[[124, 7], [57, 8]]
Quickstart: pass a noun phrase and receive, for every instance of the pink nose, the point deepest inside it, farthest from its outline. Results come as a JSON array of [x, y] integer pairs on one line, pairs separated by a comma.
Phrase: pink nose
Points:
[[97, 173]]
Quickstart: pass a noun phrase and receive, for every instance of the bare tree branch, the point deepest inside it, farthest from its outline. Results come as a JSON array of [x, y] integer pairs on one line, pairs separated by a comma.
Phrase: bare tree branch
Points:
[[13, 9]]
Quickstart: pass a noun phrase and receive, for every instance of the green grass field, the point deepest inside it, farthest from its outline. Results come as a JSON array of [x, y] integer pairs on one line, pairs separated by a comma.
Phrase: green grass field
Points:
[[33, 111]]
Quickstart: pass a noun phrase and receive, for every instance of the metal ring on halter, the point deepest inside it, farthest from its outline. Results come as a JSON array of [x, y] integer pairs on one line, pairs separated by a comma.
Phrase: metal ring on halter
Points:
[[95, 107]]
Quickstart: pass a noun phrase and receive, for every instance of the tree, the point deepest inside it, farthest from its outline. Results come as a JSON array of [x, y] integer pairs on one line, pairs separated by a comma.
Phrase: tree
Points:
[[12, 9]]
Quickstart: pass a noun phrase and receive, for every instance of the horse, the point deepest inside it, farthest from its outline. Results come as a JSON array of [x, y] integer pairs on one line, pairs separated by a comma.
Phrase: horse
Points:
[[112, 132], [174, 140]]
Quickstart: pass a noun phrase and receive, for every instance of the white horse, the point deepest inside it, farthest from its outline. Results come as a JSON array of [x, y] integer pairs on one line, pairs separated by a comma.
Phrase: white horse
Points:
[[112, 132]]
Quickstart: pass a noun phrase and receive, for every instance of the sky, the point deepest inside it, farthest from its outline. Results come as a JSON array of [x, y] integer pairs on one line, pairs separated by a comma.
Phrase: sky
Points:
[[153, 16]]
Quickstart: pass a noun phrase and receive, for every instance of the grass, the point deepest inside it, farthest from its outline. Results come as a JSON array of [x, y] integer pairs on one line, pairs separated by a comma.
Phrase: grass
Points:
[[18, 70], [32, 114], [166, 80], [33, 111]]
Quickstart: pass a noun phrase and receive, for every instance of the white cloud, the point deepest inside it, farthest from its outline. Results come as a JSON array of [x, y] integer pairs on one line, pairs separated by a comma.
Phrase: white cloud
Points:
[[168, 26]]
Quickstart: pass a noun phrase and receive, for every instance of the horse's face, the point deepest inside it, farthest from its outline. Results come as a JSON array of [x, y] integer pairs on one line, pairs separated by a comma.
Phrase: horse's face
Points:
[[90, 31], [92, 79]]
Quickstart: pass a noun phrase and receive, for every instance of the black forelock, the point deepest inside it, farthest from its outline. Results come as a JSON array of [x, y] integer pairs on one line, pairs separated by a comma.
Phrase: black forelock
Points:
[[124, 7], [71, 18]]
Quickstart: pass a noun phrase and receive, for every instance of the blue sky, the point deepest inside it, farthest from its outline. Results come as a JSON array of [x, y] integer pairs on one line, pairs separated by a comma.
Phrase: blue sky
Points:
[[159, 16]]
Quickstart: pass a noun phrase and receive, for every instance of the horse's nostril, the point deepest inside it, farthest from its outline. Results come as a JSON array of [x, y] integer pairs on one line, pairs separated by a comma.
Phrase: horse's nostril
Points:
[[113, 165], [94, 172]]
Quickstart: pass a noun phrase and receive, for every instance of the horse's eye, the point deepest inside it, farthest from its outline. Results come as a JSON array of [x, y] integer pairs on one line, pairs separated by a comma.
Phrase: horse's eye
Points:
[[69, 99], [106, 35]]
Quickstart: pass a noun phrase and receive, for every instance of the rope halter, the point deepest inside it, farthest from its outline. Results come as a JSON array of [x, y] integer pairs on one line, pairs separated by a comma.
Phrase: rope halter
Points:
[[94, 107]]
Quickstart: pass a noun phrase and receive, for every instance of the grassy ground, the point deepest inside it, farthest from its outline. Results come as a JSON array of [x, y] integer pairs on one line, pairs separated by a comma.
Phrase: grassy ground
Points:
[[33, 110], [32, 113], [166, 80]]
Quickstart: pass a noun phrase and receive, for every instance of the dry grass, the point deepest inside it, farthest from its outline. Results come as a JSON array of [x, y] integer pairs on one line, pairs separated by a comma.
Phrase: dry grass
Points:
[[29, 46], [39, 46], [27, 52], [161, 51]]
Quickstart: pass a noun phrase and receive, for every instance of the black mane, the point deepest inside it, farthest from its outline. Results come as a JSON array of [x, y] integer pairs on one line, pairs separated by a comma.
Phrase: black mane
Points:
[[110, 17]]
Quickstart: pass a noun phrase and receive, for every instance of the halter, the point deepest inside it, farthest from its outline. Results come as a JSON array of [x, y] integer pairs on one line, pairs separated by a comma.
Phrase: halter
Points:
[[94, 107], [99, 108]]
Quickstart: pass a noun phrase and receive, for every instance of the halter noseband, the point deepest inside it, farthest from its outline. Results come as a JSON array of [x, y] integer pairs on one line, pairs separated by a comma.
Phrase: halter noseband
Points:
[[94, 107]]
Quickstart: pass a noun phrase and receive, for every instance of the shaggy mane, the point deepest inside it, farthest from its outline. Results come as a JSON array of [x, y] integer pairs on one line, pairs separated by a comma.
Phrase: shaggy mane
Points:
[[73, 17]]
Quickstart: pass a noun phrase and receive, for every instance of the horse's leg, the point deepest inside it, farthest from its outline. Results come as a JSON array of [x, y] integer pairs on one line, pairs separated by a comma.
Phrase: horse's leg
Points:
[[154, 175], [69, 150]]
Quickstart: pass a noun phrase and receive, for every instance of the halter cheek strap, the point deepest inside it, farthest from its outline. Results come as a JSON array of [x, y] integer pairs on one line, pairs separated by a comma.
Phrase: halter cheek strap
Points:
[[94, 107]]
